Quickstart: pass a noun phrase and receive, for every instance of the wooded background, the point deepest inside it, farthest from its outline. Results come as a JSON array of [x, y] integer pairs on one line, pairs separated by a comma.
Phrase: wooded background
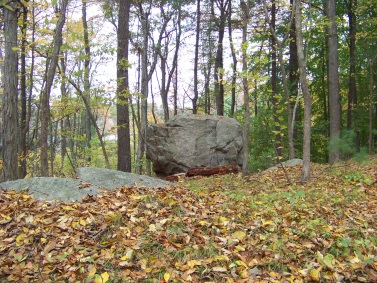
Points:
[[299, 75]]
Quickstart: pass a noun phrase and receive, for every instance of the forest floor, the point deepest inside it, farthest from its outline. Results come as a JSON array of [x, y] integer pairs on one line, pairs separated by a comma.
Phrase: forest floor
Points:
[[217, 229]]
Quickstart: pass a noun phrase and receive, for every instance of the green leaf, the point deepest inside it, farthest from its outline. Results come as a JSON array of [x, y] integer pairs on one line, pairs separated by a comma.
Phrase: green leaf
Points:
[[329, 260]]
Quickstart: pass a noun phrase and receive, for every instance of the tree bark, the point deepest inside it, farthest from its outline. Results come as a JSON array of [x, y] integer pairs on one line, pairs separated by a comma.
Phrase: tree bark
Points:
[[352, 87], [245, 82], [145, 78], [334, 97], [45, 99], [123, 115], [371, 85], [24, 123], [293, 81], [9, 103], [305, 175], [234, 58], [291, 116], [274, 93], [88, 125], [219, 63], [196, 59]]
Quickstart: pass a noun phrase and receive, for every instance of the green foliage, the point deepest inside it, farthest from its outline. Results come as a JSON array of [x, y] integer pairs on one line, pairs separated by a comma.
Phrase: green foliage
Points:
[[262, 153], [346, 146], [356, 177]]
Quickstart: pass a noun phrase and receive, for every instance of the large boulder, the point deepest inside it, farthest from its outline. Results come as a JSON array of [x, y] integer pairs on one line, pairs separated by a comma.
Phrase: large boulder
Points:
[[189, 140]]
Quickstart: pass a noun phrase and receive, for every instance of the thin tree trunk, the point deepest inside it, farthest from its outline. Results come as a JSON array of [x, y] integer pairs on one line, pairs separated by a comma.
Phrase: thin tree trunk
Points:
[[87, 59], [371, 83], [334, 97], [280, 44], [24, 125], [293, 77], [93, 120], [245, 81], [64, 124], [196, 59], [274, 93], [45, 99], [305, 176], [9, 103], [352, 91], [234, 64], [123, 93], [219, 63], [144, 93], [145, 78]]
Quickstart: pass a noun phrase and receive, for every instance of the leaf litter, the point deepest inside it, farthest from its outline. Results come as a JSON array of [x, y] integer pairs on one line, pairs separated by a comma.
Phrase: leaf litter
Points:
[[217, 229]]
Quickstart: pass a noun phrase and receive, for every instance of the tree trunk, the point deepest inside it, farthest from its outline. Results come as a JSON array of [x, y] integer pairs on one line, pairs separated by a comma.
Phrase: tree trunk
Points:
[[88, 126], [334, 97], [145, 78], [234, 58], [64, 124], [280, 44], [92, 118], [24, 123], [219, 63], [305, 176], [293, 76], [9, 103], [123, 115], [45, 99], [245, 81], [196, 59], [274, 93], [352, 91], [371, 83], [144, 93]]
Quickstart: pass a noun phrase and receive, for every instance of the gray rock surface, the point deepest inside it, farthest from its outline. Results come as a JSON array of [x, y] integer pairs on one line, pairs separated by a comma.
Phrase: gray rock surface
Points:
[[188, 141], [109, 179], [288, 163], [90, 181]]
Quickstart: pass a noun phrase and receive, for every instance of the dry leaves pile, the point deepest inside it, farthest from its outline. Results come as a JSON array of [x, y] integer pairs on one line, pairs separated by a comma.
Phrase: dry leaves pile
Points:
[[219, 229]]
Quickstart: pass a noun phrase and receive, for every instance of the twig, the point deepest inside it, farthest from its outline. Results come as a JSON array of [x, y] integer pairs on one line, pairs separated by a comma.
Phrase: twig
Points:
[[276, 152]]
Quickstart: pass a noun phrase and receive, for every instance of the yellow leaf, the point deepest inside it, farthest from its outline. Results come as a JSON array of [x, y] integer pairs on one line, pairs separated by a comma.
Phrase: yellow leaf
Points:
[[124, 258], [239, 248], [68, 208], [43, 240], [74, 224], [355, 259], [241, 263], [92, 272], [223, 219], [143, 264], [82, 222], [111, 214], [103, 279], [222, 258], [166, 276], [20, 238], [314, 274], [192, 263], [240, 235], [204, 223], [152, 228], [265, 223]]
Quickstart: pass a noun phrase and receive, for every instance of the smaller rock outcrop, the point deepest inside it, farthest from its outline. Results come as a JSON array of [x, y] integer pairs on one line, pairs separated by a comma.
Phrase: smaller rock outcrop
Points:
[[89, 181], [189, 141]]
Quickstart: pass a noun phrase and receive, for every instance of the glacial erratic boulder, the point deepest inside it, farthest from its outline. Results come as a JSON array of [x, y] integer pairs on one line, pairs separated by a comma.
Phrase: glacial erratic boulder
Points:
[[189, 140]]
